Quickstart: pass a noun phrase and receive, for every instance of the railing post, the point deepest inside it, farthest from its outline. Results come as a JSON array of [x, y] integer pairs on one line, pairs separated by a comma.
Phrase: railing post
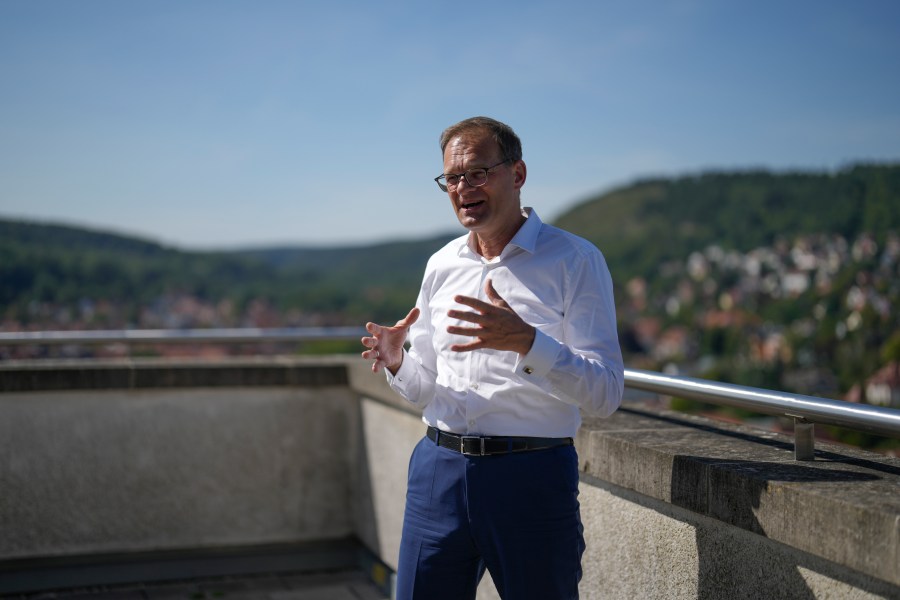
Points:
[[804, 440]]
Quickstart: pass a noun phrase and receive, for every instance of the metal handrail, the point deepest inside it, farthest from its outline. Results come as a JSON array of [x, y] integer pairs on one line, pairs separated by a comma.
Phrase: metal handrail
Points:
[[863, 417], [146, 336], [805, 410]]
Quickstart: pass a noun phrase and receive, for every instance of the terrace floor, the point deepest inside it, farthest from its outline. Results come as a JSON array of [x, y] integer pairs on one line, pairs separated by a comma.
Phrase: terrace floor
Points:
[[323, 571], [344, 585]]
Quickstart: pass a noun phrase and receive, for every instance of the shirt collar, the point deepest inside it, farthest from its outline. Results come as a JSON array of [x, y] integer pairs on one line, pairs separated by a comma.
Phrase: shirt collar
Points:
[[525, 238]]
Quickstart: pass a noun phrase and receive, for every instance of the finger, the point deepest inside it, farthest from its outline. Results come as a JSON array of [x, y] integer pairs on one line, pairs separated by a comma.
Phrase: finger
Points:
[[378, 362], [409, 319], [467, 331], [464, 315], [374, 328], [369, 342], [476, 345], [479, 305], [495, 298]]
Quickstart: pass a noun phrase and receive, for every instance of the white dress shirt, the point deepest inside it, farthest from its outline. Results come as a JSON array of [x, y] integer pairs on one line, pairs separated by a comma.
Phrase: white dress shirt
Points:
[[555, 281]]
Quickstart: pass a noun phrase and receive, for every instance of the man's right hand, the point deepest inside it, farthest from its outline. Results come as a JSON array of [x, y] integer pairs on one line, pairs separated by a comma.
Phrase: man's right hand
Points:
[[385, 346]]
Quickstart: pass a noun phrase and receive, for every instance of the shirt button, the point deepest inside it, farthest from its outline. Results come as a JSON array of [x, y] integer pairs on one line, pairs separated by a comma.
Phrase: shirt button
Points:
[[471, 422], [474, 385], [528, 370]]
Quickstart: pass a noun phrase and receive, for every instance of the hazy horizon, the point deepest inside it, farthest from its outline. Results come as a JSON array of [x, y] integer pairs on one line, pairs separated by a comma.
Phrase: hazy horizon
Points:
[[451, 229]]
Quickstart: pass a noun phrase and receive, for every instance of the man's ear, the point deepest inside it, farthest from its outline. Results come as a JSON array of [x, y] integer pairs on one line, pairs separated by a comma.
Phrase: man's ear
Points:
[[521, 173]]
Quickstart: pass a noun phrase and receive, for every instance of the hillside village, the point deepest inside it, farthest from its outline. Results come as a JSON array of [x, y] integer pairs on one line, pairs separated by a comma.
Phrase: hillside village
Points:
[[773, 308], [771, 312]]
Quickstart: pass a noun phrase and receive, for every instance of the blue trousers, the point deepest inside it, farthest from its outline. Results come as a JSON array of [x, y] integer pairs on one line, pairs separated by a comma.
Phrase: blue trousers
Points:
[[515, 514]]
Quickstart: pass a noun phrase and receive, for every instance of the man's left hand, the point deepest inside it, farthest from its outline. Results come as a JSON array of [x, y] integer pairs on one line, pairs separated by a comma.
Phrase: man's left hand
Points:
[[499, 327]]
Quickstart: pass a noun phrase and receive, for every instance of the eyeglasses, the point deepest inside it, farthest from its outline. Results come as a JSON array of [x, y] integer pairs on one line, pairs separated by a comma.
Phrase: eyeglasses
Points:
[[474, 177]]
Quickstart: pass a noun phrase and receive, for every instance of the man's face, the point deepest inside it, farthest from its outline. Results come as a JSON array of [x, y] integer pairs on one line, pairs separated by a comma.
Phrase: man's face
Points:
[[489, 209]]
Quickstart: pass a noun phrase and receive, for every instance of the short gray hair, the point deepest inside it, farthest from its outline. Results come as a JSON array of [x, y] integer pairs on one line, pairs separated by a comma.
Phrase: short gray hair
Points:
[[509, 143]]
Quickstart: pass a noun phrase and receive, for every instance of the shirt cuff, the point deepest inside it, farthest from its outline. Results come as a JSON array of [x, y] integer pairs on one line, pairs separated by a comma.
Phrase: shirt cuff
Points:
[[404, 373], [540, 359]]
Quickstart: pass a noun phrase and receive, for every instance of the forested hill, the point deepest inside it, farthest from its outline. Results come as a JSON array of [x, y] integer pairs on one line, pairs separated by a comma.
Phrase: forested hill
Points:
[[48, 270], [644, 225], [638, 227]]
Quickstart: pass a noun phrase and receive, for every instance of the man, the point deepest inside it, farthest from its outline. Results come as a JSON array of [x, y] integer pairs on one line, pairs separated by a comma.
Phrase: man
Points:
[[513, 333]]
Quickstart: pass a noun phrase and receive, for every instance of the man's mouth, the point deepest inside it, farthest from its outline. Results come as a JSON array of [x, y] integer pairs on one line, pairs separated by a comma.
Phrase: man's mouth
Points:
[[469, 205]]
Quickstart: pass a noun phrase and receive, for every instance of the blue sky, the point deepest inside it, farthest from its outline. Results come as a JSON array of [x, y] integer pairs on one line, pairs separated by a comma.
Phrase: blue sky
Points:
[[220, 124]]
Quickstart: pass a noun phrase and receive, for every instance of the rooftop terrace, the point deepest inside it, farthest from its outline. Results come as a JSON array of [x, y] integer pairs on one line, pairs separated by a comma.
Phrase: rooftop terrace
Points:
[[202, 479]]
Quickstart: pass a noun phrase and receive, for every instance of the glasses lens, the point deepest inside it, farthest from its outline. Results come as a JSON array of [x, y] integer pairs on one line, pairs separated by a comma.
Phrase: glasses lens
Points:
[[452, 181], [476, 177]]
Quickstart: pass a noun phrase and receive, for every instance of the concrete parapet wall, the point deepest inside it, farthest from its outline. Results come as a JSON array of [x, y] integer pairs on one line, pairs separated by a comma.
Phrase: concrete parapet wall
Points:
[[681, 507], [168, 465], [673, 506]]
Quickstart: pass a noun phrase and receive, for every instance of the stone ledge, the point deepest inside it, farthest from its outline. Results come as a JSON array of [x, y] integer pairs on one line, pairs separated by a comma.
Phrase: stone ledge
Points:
[[70, 375], [375, 386], [844, 506]]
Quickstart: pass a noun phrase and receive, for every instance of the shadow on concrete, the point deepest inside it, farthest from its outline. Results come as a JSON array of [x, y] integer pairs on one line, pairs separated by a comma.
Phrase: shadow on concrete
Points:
[[731, 491]]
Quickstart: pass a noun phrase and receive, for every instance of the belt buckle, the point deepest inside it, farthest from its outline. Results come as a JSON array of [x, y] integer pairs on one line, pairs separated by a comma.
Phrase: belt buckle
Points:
[[462, 445]]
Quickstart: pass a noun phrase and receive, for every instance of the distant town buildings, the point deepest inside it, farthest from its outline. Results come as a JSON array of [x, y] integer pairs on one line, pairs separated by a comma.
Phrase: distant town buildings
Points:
[[715, 303], [882, 389], [718, 302]]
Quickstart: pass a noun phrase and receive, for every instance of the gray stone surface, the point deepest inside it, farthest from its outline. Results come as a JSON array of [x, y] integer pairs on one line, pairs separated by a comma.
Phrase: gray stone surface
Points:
[[843, 507], [69, 375], [338, 585], [638, 547], [90, 472], [148, 456]]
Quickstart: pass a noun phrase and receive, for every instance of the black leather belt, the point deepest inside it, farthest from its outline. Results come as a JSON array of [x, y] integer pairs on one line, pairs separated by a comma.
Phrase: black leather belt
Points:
[[475, 445]]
